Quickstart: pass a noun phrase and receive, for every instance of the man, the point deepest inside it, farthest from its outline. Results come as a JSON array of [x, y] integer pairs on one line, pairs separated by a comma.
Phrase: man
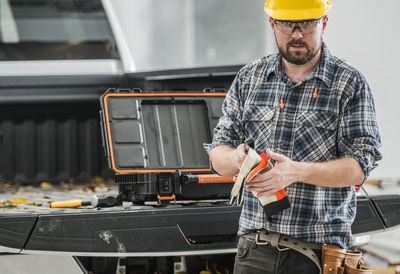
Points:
[[314, 116]]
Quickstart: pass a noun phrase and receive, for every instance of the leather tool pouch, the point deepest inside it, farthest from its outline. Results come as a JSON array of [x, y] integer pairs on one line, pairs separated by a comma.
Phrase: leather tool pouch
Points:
[[336, 260]]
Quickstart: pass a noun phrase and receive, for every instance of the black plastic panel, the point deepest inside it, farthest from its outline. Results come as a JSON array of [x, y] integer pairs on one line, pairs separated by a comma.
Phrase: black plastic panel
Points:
[[49, 129], [147, 229], [156, 230], [367, 218], [14, 230], [207, 79], [50, 142], [388, 207], [56, 89], [142, 187]]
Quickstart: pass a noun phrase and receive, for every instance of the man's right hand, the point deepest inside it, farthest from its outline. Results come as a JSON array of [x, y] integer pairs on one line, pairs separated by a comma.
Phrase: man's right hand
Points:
[[227, 160], [239, 154]]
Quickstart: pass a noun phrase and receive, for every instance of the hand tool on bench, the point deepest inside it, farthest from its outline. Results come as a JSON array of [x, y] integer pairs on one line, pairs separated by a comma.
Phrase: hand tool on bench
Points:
[[96, 201]]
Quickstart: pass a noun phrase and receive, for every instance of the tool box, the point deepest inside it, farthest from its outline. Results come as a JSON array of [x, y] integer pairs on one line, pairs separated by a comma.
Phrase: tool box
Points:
[[154, 142]]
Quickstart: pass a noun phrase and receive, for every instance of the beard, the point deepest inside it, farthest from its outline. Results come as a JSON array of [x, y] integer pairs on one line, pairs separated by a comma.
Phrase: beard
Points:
[[298, 58]]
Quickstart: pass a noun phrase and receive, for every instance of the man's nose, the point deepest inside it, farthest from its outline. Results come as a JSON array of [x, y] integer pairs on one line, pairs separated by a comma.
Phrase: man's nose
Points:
[[297, 34]]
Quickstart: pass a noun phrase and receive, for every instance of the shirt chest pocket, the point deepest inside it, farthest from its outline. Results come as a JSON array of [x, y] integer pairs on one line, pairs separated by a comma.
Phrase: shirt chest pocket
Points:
[[315, 137], [258, 124]]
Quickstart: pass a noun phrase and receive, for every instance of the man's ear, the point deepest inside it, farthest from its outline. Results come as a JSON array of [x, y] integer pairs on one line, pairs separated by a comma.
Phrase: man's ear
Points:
[[324, 23], [271, 22]]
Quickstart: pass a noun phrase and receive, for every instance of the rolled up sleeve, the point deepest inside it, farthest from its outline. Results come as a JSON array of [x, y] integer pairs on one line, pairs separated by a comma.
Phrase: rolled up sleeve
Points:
[[358, 135], [229, 130]]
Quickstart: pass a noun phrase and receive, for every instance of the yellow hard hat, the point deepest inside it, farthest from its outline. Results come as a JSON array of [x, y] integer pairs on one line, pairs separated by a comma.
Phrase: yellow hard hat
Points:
[[296, 9]]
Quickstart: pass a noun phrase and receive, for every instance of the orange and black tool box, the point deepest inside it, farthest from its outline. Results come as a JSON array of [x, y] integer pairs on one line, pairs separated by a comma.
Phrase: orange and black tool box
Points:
[[154, 142]]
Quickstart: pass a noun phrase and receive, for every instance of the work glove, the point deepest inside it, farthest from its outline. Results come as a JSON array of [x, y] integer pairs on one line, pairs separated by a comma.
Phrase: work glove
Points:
[[253, 165], [250, 162]]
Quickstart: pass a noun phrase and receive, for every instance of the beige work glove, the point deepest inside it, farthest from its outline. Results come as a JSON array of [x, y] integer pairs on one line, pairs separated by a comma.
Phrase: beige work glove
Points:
[[253, 165]]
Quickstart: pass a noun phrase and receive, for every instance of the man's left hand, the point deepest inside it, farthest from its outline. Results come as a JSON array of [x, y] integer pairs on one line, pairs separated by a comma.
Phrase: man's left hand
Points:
[[280, 176]]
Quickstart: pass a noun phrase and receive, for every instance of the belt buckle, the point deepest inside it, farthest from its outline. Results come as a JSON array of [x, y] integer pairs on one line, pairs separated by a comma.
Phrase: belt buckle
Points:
[[258, 242]]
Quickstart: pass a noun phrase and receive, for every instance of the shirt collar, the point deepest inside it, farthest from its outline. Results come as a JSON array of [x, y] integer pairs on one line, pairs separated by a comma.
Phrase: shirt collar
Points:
[[326, 66], [323, 71]]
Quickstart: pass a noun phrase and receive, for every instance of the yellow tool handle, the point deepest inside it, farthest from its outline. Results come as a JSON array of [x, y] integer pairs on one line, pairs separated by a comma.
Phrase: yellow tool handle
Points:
[[64, 204]]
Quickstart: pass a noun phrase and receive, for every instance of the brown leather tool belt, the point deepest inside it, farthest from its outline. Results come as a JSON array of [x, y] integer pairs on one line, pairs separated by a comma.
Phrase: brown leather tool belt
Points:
[[284, 242], [336, 260]]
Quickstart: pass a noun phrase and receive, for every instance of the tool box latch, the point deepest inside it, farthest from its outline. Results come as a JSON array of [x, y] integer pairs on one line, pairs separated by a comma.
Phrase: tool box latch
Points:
[[214, 90], [165, 188]]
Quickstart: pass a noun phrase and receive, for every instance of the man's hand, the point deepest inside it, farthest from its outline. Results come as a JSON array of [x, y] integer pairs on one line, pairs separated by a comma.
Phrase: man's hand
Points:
[[227, 160], [280, 176], [238, 156]]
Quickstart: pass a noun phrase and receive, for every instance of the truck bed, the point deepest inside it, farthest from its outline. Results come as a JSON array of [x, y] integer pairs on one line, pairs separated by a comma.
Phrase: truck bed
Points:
[[184, 228], [135, 230]]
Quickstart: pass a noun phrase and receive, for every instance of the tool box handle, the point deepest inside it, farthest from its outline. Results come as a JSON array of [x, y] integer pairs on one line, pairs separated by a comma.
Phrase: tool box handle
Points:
[[213, 178], [207, 179]]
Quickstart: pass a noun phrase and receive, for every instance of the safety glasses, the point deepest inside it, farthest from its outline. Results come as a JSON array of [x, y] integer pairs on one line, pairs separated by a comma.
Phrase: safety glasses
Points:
[[306, 26]]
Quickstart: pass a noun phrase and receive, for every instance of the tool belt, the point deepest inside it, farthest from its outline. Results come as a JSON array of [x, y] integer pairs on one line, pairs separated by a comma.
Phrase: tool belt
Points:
[[335, 260], [284, 242]]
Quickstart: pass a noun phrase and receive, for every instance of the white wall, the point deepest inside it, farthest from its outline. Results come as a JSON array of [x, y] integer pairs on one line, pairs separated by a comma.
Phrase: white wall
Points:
[[367, 34], [364, 32], [190, 33]]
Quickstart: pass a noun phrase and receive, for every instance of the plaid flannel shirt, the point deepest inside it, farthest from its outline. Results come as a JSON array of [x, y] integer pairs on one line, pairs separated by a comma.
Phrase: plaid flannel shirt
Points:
[[338, 121]]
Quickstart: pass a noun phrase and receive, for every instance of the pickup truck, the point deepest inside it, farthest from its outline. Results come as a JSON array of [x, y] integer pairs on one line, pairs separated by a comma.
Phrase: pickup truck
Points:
[[50, 84]]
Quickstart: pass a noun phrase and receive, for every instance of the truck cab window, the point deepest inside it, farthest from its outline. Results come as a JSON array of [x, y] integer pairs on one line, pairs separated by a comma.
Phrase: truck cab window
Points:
[[55, 30]]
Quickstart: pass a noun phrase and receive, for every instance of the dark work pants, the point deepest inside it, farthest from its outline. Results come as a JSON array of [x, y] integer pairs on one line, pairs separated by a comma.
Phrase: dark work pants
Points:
[[253, 259]]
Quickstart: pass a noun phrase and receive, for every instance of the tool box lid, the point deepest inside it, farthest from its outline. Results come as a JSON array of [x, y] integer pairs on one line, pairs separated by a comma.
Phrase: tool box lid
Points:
[[162, 131]]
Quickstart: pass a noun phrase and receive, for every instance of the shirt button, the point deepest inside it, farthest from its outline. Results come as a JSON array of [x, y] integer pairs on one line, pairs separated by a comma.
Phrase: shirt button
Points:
[[281, 144], [287, 116], [253, 115], [319, 121]]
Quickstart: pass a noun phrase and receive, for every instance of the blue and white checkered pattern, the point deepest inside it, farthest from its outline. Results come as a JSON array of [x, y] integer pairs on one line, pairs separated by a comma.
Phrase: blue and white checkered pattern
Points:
[[339, 122]]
